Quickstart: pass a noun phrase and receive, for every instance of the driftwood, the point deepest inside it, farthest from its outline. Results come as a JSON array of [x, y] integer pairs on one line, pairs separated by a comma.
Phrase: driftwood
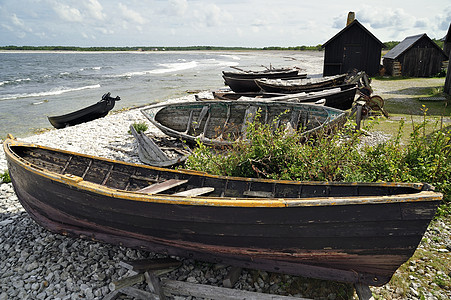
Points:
[[150, 153], [159, 289]]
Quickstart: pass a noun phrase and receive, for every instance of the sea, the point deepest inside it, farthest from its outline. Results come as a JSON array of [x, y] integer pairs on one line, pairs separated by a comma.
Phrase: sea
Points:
[[34, 84]]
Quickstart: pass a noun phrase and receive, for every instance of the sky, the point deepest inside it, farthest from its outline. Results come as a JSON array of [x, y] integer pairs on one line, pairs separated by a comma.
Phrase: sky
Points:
[[239, 23]]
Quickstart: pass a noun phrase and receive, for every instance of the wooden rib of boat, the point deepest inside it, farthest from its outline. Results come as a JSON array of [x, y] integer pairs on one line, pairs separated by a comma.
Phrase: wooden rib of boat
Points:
[[298, 85], [239, 85], [220, 123], [351, 232], [92, 112], [151, 154], [340, 97]]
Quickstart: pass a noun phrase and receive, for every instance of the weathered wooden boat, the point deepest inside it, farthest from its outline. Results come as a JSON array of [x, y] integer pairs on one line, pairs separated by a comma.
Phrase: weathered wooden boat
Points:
[[351, 232], [267, 73], [340, 97], [299, 85], [92, 112], [220, 123], [150, 153], [238, 84]]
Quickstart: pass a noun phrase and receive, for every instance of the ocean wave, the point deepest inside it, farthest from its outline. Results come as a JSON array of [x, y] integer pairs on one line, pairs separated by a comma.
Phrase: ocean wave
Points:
[[94, 68], [167, 68], [6, 82], [52, 92], [231, 56]]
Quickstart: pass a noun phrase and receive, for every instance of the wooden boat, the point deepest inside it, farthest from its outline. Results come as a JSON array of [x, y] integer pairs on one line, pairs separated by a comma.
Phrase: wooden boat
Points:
[[351, 232], [298, 85], [340, 97], [220, 123], [268, 73], [150, 153], [95, 111], [238, 84]]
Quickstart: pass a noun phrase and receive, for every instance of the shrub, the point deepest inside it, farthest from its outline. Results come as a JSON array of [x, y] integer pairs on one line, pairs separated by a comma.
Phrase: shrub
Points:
[[337, 157], [5, 177], [140, 127]]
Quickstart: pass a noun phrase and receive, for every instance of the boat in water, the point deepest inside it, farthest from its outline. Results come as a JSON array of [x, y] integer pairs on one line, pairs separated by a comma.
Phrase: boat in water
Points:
[[92, 112], [348, 232]]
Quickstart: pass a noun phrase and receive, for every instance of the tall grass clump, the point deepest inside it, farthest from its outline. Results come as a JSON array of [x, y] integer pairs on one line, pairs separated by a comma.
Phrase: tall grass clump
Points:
[[279, 154]]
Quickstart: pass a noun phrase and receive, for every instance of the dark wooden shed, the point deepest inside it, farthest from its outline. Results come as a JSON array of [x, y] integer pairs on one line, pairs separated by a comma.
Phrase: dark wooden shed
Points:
[[354, 47], [415, 56], [447, 49]]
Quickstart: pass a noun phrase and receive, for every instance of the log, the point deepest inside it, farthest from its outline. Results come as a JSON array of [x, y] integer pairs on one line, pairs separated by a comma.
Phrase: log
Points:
[[173, 287]]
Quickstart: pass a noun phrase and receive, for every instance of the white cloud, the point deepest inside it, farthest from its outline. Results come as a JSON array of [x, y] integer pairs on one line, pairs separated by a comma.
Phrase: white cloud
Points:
[[131, 15], [95, 9], [67, 13]]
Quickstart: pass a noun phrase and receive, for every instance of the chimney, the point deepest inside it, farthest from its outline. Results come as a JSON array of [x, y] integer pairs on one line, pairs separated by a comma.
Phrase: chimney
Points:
[[351, 17]]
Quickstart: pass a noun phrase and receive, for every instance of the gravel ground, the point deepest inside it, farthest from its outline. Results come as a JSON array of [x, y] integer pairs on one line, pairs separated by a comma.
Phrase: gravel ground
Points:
[[36, 264]]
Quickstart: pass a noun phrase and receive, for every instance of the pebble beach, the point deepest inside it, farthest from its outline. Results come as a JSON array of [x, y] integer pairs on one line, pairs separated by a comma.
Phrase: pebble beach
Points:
[[37, 264]]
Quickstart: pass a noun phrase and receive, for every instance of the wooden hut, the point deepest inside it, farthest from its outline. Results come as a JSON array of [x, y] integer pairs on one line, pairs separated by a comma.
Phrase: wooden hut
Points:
[[354, 47], [415, 56], [447, 49]]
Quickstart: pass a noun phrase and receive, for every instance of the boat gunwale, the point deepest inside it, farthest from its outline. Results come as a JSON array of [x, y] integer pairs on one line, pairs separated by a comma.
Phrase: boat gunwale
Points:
[[79, 183]]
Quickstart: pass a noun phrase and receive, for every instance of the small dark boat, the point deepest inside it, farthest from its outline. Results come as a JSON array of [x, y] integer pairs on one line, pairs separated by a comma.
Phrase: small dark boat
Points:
[[239, 85], [95, 111], [151, 154], [220, 123], [299, 85], [348, 232]]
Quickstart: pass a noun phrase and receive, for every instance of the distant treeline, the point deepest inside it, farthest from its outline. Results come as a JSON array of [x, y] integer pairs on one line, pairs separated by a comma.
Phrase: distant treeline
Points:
[[185, 48], [387, 46]]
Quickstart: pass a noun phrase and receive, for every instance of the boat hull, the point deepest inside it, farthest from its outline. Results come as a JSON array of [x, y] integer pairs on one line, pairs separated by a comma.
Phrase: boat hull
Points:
[[298, 86], [352, 239], [220, 123], [92, 112]]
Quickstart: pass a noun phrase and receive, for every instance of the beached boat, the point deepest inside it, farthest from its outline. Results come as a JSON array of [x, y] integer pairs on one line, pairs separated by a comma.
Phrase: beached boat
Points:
[[220, 123], [351, 232], [92, 112], [239, 84], [151, 154], [267, 73], [298, 85], [340, 97]]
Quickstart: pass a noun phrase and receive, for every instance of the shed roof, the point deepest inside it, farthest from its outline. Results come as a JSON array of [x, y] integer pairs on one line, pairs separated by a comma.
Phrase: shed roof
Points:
[[406, 44], [353, 23]]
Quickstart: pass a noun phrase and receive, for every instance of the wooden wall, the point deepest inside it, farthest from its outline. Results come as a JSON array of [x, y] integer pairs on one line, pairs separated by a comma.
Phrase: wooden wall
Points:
[[423, 59], [354, 48]]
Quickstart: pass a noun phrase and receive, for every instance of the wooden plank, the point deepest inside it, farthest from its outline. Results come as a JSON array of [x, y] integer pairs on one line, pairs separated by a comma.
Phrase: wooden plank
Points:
[[127, 281], [154, 285], [143, 265], [138, 294], [195, 192], [149, 150], [202, 115], [363, 292], [258, 194], [161, 187], [232, 277], [173, 287]]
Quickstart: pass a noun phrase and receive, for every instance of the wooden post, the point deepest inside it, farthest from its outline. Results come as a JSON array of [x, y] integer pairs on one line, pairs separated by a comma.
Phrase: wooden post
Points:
[[363, 292]]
